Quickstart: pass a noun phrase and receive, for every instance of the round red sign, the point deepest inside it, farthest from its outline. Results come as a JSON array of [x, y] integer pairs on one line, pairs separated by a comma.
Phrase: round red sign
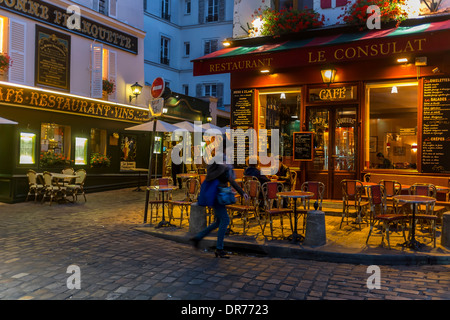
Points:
[[158, 87]]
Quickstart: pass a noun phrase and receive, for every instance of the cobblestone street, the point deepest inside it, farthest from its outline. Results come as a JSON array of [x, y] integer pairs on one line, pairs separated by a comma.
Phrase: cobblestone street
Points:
[[39, 242]]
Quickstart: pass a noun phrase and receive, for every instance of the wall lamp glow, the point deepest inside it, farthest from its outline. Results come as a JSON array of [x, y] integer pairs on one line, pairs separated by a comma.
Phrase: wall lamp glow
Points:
[[265, 71], [328, 75], [136, 89], [402, 60]]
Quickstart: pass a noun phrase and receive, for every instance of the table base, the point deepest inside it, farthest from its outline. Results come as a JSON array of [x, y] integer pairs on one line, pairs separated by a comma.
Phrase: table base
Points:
[[295, 238], [412, 244], [164, 223]]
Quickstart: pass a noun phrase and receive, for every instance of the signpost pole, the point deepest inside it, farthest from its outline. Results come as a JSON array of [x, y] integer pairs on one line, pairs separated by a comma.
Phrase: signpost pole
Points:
[[149, 175]]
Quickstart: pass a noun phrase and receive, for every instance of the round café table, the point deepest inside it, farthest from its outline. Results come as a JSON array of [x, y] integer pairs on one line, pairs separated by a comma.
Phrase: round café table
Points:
[[163, 190], [415, 201], [295, 237], [185, 176]]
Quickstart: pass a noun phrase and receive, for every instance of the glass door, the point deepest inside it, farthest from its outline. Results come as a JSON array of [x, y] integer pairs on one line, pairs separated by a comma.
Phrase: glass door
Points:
[[334, 147]]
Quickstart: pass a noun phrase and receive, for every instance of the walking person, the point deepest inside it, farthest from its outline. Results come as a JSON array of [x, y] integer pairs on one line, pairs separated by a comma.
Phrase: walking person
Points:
[[224, 174]]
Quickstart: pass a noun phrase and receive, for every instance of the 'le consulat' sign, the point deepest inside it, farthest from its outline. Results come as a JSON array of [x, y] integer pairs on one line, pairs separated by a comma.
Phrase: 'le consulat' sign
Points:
[[58, 17]]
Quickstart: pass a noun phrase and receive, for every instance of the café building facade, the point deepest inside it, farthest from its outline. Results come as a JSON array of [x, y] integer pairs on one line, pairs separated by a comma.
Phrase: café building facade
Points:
[[343, 99], [69, 88]]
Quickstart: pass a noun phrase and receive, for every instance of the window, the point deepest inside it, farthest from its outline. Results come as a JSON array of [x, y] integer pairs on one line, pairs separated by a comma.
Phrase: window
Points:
[[391, 126], [210, 46], [103, 6], [107, 7], [279, 109], [104, 67], [98, 141], [27, 148], [3, 34], [81, 151], [212, 11], [295, 4], [165, 10], [210, 90], [187, 49], [55, 139], [187, 7], [165, 44], [185, 89]]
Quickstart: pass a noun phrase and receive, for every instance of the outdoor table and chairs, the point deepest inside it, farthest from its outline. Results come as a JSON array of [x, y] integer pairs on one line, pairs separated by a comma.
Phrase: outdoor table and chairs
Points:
[[163, 190], [54, 186], [192, 191], [295, 237], [185, 176], [415, 201]]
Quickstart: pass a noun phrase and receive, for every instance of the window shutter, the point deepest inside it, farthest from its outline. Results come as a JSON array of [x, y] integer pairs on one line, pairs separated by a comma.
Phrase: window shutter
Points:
[[220, 95], [201, 11], [198, 90], [113, 8], [341, 3], [95, 5], [324, 4], [222, 10], [112, 72], [17, 35], [97, 67]]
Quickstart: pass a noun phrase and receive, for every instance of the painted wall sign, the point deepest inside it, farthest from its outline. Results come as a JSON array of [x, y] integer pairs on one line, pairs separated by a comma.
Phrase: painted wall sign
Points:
[[52, 101], [57, 17], [52, 59]]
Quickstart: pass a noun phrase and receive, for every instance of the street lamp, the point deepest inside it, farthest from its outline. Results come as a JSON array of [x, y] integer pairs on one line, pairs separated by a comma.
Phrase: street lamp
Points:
[[136, 89], [328, 75]]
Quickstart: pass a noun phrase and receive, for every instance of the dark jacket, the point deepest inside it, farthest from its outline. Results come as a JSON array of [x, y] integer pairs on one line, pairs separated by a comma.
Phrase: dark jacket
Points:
[[255, 172], [284, 174], [221, 172]]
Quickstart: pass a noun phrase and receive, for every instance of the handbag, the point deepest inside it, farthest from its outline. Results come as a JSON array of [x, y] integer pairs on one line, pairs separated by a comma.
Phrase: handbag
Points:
[[208, 193], [225, 196]]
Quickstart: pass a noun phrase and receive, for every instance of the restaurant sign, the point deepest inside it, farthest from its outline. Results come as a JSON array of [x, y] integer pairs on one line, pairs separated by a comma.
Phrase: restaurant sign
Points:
[[333, 94], [58, 17], [40, 99]]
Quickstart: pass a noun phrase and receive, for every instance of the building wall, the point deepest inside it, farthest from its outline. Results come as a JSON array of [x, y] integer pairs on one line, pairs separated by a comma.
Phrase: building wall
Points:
[[181, 28]]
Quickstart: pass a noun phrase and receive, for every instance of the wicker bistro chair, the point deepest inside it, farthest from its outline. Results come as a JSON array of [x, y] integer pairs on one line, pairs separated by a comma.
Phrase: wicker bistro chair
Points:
[[273, 207], [35, 187], [391, 188], [352, 191], [425, 214], [67, 171], [378, 213], [293, 180], [316, 187], [78, 186], [192, 191], [52, 189], [157, 202], [251, 206]]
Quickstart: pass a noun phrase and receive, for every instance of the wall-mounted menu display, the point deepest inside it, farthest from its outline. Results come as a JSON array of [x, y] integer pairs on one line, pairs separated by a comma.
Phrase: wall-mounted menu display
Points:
[[303, 146], [436, 124], [242, 104]]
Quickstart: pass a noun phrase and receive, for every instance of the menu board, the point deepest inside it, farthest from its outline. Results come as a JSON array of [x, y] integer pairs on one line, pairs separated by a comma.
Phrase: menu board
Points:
[[436, 124], [242, 104], [303, 146], [52, 59]]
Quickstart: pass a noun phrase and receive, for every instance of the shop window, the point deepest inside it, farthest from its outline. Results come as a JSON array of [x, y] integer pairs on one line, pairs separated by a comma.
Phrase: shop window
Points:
[[279, 109], [81, 151], [27, 148], [55, 139], [98, 141], [391, 126]]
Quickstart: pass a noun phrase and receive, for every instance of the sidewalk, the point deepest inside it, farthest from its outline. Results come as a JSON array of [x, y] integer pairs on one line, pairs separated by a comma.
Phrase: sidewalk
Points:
[[346, 244]]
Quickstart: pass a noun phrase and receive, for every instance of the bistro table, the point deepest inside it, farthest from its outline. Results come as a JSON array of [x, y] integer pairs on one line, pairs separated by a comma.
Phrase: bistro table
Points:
[[139, 170], [163, 190], [414, 200], [295, 237], [58, 177], [185, 176]]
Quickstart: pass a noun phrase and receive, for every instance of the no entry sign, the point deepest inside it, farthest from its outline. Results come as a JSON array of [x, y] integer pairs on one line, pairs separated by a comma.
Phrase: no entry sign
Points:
[[158, 87]]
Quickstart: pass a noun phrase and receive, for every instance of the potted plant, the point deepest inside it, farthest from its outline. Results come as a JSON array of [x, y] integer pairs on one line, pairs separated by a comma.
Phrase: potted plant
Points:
[[108, 86], [5, 62], [273, 23], [390, 12], [99, 160], [51, 159]]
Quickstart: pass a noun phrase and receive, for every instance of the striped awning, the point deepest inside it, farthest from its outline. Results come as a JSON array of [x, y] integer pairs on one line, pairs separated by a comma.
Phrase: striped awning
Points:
[[345, 47]]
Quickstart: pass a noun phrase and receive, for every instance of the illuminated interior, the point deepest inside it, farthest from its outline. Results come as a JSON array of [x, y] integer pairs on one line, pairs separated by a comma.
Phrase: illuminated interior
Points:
[[27, 148], [391, 129]]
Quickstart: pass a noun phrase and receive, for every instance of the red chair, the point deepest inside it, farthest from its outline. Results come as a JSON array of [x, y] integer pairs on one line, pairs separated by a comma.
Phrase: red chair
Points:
[[378, 213], [273, 207], [352, 191]]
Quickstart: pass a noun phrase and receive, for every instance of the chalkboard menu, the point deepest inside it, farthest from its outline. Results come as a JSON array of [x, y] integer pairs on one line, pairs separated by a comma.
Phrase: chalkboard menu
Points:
[[436, 124], [242, 108], [303, 146], [52, 59]]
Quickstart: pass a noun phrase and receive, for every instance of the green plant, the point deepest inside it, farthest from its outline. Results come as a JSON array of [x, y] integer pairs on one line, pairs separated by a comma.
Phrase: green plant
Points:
[[108, 86], [49, 159], [356, 14], [99, 160], [285, 21], [5, 62]]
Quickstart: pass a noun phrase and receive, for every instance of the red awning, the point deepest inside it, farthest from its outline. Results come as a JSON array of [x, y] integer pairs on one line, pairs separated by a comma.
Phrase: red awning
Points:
[[345, 47]]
